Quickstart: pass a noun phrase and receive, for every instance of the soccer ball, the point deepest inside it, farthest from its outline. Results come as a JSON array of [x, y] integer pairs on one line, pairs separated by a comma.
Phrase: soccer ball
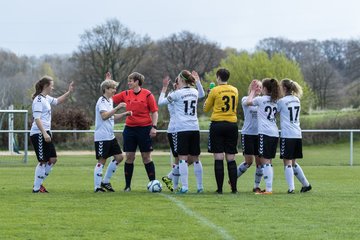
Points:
[[154, 186]]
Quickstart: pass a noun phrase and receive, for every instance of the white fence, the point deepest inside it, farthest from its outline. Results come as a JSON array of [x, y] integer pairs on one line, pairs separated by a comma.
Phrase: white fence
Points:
[[350, 131]]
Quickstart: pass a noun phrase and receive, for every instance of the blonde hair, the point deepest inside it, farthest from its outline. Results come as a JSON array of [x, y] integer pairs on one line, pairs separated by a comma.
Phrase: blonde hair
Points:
[[292, 87], [108, 83], [249, 88]]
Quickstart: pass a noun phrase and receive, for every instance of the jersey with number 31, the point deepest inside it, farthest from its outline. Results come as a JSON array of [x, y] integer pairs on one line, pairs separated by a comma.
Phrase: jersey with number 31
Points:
[[289, 108], [223, 100]]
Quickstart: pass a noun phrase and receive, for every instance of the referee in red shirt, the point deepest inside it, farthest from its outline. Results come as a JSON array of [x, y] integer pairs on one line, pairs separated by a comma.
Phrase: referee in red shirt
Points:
[[140, 127]]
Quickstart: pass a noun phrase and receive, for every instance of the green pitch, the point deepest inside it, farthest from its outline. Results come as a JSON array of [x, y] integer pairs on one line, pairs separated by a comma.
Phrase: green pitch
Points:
[[73, 211]]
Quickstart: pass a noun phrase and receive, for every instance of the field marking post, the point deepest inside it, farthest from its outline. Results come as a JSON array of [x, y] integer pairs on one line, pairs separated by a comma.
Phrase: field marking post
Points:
[[351, 147]]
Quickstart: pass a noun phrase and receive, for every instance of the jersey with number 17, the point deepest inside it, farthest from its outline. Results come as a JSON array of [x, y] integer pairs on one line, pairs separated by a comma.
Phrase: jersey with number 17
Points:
[[185, 109], [289, 108]]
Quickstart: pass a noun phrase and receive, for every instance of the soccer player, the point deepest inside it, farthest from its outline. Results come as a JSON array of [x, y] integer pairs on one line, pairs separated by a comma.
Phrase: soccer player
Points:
[[40, 133], [267, 128], [187, 146], [140, 127], [249, 140], [172, 179], [223, 132], [291, 138], [106, 144]]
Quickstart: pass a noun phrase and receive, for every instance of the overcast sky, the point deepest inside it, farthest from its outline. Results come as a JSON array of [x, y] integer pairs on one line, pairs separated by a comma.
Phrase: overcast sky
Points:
[[37, 27]]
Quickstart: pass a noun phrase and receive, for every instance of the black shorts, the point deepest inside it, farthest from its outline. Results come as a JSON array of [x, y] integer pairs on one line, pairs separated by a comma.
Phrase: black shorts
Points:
[[44, 151], [172, 137], [267, 146], [188, 143], [137, 136], [250, 144], [105, 149], [291, 148], [223, 137]]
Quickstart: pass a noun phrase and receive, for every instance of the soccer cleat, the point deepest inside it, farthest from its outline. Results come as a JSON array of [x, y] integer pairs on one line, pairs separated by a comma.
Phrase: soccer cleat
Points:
[[201, 190], [258, 190], [99, 190], [43, 189], [182, 191], [127, 189], [219, 191], [291, 191], [168, 183], [305, 189], [264, 193], [234, 192], [107, 187], [36, 191]]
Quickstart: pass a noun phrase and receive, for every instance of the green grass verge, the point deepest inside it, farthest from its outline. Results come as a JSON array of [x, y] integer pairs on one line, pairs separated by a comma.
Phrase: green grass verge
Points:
[[73, 211]]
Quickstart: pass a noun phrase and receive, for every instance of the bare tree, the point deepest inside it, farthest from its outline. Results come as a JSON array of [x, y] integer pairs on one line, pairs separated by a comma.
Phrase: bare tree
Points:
[[108, 47], [186, 50]]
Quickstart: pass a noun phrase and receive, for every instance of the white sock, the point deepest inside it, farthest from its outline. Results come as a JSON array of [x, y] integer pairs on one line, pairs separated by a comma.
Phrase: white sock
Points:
[[48, 167], [184, 173], [98, 175], [198, 170], [175, 176], [110, 170], [170, 174], [258, 175], [242, 168], [39, 176], [299, 174], [268, 176], [289, 176]]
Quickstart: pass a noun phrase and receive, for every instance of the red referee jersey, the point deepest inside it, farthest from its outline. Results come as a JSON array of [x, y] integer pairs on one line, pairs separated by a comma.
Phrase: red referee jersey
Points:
[[141, 104]]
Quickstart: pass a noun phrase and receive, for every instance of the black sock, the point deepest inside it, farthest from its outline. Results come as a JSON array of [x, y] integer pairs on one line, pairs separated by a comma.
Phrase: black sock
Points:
[[219, 174], [128, 172], [232, 171], [150, 170]]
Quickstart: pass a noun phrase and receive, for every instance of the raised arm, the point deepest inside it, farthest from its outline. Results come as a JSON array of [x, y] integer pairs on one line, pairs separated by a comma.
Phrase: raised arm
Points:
[[162, 99], [254, 87], [108, 114], [63, 97], [198, 84]]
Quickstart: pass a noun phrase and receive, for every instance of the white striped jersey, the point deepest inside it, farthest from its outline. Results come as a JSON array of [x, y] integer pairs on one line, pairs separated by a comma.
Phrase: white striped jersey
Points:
[[104, 129], [184, 102], [266, 113], [289, 108], [171, 108], [250, 126], [41, 109]]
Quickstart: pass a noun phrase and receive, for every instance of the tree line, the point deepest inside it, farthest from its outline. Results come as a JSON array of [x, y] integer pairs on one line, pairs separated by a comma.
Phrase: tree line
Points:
[[329, 71]]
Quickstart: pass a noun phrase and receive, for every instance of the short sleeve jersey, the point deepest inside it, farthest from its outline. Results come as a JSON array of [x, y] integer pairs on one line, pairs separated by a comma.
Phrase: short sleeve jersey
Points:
[[250, 126], [104, 129], [141, 104], [223, 101], [41, 109], [266, 114], [289, 108], [184, 103]]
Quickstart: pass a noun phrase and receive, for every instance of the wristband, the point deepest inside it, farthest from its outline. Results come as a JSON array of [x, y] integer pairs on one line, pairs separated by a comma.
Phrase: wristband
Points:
[[154, 126]]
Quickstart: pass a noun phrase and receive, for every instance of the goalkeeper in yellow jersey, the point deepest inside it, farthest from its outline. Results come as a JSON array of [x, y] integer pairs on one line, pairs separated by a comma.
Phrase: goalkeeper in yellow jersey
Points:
[[223, 135]]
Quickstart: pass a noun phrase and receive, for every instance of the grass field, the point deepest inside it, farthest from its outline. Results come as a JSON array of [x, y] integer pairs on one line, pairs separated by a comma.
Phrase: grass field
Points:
[[72, 211]]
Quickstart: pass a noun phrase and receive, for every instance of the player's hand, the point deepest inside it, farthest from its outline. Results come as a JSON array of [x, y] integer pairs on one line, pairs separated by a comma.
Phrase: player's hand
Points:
[[71, 87], [47, 137], [107, 76], [195, 75], [254, 85], [166, 81], [128, 113], [122, 105], [152, 132]]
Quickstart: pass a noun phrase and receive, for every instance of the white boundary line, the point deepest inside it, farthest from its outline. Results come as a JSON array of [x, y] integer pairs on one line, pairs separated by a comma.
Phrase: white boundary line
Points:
[[219, 230]]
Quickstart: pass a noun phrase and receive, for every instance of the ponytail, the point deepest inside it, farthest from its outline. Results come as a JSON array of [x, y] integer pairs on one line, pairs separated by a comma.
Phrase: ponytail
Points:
[[272, 87], [39, 85], [292, 87]]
